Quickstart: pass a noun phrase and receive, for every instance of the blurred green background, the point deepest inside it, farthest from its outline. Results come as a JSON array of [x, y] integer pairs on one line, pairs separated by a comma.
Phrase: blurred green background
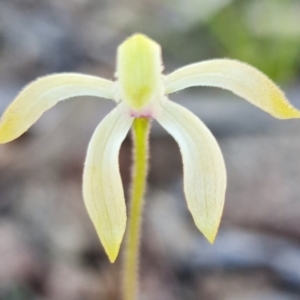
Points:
[[48, 247]]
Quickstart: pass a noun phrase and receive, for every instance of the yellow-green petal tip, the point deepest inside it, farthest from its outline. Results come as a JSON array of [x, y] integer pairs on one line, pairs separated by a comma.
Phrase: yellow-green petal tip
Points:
[[112, 252], [8, 131], [210, 233]]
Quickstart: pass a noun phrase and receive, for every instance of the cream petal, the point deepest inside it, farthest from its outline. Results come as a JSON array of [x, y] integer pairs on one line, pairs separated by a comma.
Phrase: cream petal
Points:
[[240, 78], [203, 166], [44, 93], [102, 185]]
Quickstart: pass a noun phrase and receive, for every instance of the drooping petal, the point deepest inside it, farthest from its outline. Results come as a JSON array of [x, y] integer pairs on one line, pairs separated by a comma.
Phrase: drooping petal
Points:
[[102, 186], [203, 166], [240, 78], [44, 93]]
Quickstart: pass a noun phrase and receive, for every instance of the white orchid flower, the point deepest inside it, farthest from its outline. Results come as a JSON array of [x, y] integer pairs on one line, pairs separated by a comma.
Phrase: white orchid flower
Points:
[[141, 90]]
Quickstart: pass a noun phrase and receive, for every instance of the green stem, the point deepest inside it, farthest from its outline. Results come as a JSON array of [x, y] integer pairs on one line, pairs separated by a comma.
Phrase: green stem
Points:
[[140, 133]]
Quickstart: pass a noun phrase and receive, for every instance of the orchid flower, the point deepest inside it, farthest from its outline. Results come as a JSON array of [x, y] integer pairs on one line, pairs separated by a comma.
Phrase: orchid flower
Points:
[[141, 91]]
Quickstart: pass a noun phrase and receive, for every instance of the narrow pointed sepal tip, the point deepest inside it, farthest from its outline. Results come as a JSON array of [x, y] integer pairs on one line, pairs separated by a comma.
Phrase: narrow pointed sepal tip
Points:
[[210, 234], [4, 139], [8, 129], [112, 252], [290, 113]]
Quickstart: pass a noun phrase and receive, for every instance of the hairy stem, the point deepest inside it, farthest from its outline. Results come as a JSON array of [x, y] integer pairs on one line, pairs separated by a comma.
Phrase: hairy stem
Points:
[[140, 133]]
